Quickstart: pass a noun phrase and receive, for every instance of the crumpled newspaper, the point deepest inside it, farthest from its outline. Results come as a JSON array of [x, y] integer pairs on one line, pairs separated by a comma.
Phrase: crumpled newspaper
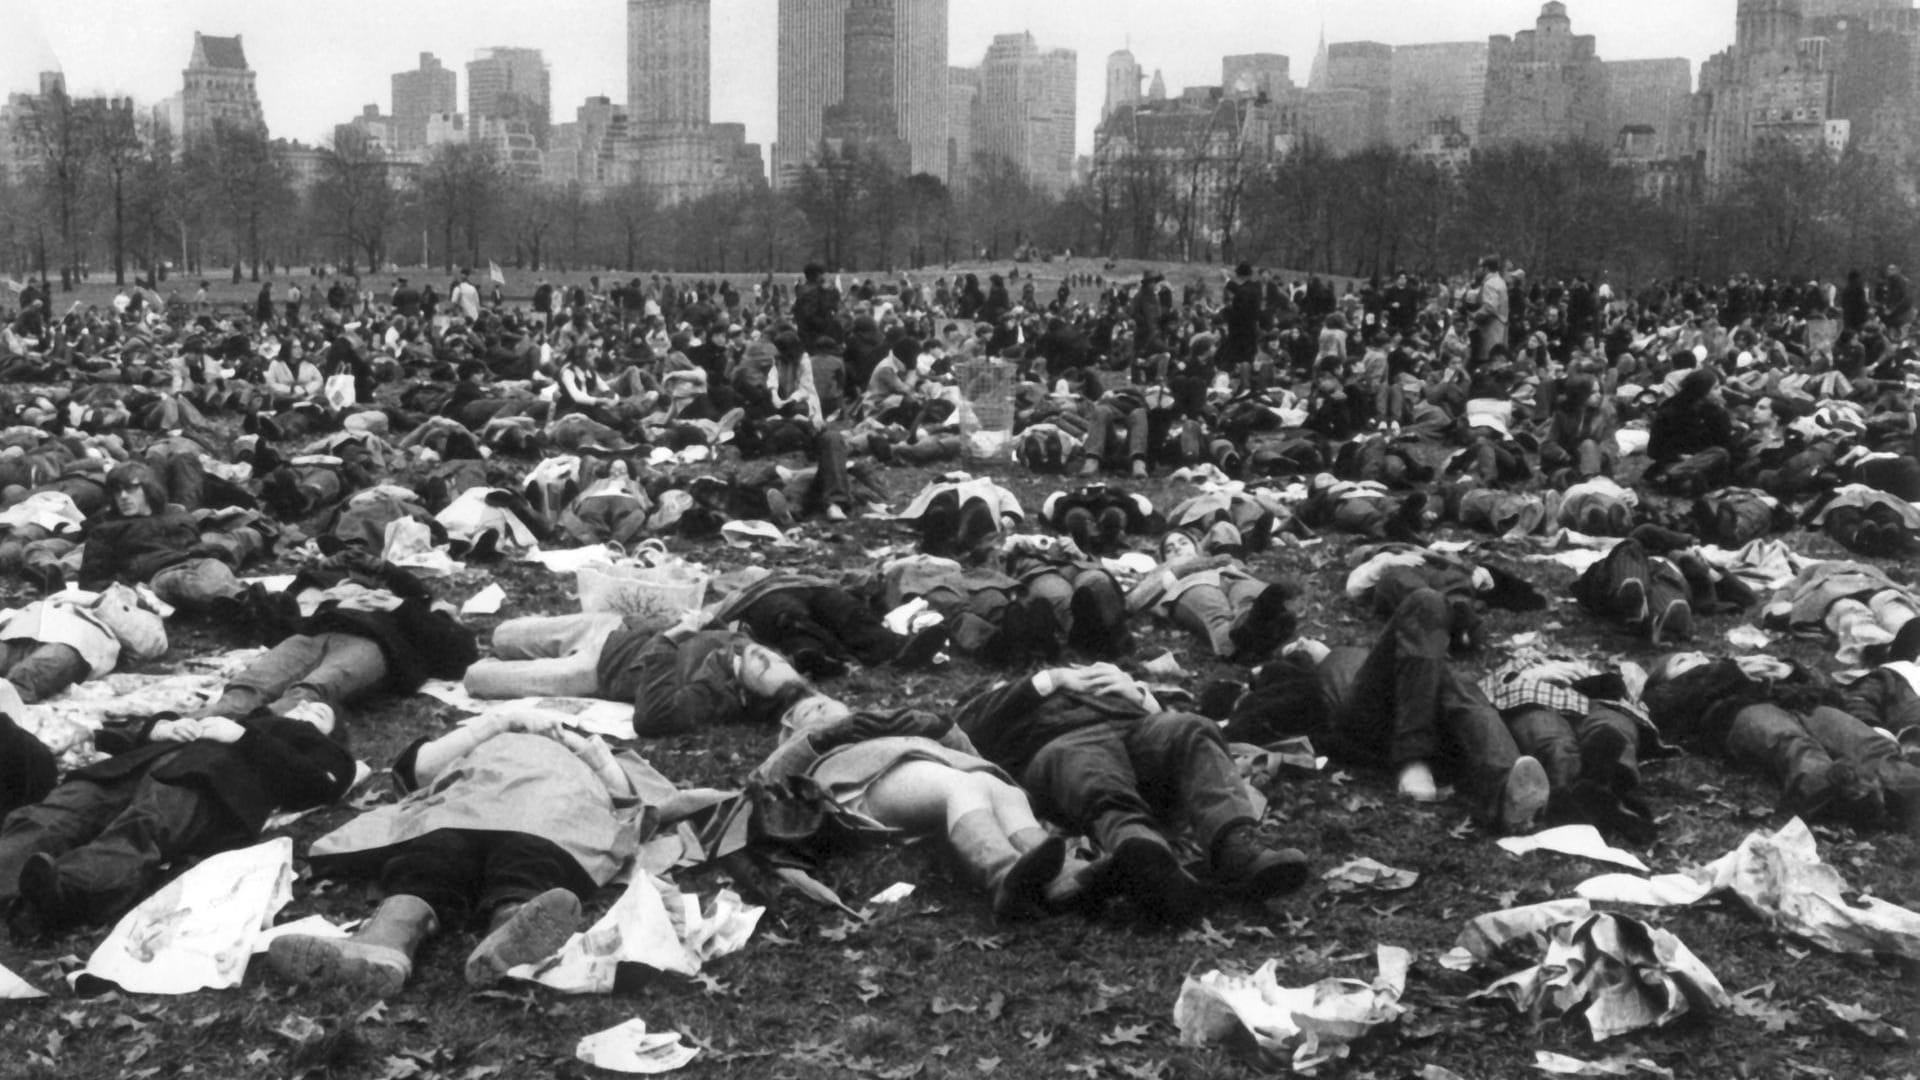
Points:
[[1618, 973], [653, 924], [1318, 1023], [1364, 874], [199, 930], [1781, 878], [628, 1048]]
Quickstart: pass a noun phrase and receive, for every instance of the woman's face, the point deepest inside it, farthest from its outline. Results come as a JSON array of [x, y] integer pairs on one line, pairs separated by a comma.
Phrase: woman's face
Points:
[[1176, 546]]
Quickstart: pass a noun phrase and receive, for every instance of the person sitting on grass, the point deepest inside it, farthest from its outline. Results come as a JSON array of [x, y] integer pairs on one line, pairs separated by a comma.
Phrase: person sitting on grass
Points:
[[509, 823]]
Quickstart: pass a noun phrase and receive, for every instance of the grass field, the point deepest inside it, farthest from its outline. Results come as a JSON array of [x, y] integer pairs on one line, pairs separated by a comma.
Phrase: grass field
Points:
[[933, 987], [228, 296]]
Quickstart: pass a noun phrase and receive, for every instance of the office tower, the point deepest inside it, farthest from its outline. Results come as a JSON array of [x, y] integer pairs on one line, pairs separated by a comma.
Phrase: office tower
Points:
[[920, 82], [812, 76], [433, 88], [509, 87], [669, 64], [1025, 111]]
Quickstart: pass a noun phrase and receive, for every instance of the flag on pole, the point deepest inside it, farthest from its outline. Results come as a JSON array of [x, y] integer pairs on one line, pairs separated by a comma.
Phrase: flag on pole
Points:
[[16, 286], [493, 272]]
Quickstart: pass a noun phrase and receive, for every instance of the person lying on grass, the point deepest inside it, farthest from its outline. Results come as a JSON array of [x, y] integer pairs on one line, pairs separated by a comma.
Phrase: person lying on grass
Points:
[[914, 772], [508, 824], [182, 789]]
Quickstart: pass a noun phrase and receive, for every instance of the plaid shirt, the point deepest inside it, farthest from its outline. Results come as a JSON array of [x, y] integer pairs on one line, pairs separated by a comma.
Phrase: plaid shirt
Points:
[[1523, 684]]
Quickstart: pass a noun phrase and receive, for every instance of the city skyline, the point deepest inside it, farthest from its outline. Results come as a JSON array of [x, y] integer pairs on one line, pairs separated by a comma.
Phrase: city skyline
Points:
[[318, 68]]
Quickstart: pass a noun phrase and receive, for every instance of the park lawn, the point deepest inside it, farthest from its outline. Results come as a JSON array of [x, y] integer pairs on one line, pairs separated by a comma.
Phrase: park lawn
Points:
[[933, 987]]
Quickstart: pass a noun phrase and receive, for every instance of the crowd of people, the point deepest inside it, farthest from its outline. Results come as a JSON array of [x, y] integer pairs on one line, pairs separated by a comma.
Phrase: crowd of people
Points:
[[160, 452]]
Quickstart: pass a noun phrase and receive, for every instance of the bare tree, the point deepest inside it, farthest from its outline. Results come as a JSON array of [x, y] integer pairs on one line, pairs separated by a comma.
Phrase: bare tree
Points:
[[355, 201]]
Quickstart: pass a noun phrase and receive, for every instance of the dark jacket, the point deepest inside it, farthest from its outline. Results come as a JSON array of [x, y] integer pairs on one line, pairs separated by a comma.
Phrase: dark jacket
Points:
[[1684, 427], [133, 549], [1009, 724], [279, 764]]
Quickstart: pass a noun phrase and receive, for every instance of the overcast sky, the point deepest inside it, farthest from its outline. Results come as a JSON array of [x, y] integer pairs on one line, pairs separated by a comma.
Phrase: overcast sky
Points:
[[319, 63]]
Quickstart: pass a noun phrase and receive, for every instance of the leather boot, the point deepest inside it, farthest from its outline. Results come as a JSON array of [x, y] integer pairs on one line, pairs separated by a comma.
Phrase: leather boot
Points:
[[378, 957]]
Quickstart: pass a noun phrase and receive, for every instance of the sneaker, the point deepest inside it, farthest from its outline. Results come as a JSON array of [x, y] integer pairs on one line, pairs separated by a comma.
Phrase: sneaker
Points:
[[45, 906], [1523, 796], [1247, 868], [835, 512], [919, 650], [1416, 782], [1090, 467], [1139, 468]]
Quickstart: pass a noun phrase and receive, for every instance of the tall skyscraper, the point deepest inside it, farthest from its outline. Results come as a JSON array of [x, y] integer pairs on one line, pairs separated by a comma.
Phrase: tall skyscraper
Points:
[[1025, 112], [219, 89], [920, 82], [1436, 82], [963, 95], [509, 85], [812, 76], [669, 65], [866, 117], [1123, 83], [1366, 66], [419, 94]]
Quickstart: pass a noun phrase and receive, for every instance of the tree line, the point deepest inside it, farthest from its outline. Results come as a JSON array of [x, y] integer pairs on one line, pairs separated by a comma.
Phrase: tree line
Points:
[[98, 188]]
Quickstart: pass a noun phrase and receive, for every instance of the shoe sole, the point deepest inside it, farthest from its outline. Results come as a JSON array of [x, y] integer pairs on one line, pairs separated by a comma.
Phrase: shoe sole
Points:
[[1523, 796], [1023, 893], [535, 932], [317, 961], [1278, 877]]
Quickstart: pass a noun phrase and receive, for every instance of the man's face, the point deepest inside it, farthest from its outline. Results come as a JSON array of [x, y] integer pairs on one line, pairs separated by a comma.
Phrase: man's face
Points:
[[131, 501], [764, 672]]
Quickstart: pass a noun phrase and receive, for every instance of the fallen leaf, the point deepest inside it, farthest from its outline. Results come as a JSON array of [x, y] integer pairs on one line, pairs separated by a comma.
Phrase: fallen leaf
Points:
[[1865, 1023], [375, 1013], [996, 1004], [986, 1065], [1775, 1018], [259, 1057], [298, 1029], [1125, 1034], [941, 1007], [1039, 1039], [866, 990]]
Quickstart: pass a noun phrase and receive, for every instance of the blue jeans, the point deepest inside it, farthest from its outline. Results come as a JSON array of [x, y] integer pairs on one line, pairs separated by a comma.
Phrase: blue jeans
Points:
[[544, 656], [333, 668]]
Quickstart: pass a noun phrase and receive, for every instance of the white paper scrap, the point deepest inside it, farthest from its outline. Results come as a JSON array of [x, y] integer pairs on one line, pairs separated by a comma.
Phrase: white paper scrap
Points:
[[485, 602], [1580, 841], [628, 1048]]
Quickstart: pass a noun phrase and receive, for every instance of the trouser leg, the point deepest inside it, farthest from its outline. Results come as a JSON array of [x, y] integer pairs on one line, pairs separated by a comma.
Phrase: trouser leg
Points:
[[161, 824], [1205, 610], [1476, 745], [1775, 742], [516, 867], [1545, 735], [443, 867], [1392, 716], [268, 676], [349, 667], [45, 670], [1084, 779], [831, 485], [70, 815], [1185, 773]]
